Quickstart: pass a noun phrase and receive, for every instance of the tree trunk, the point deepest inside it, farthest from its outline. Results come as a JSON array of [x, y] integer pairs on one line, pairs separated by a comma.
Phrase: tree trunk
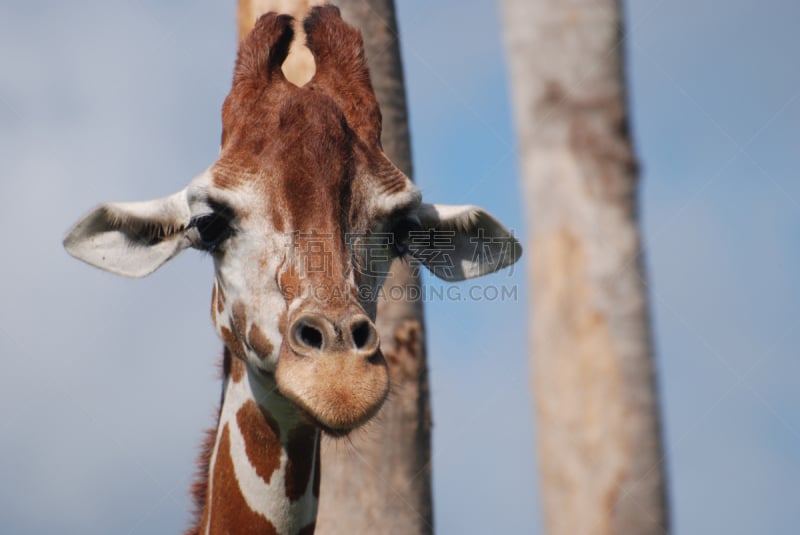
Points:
[[599, 438], [378, 480]]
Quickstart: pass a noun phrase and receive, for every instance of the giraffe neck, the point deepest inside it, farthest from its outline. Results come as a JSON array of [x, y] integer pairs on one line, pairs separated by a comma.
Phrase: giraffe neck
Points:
[[264, 466]]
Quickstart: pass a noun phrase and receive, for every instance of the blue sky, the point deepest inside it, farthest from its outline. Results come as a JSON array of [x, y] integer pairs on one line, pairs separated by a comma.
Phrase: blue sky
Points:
[[108, 383]]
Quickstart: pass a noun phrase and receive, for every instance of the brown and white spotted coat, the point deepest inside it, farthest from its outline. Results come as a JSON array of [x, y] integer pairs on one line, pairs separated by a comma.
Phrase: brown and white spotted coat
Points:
[[260, 468], [290, 213]]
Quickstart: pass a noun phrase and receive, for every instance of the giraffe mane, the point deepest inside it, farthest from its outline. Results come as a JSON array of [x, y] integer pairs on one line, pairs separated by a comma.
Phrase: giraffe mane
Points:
[[199, 489]]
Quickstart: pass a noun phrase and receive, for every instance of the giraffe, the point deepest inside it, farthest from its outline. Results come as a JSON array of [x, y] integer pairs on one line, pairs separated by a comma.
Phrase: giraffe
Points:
[[303, 215]]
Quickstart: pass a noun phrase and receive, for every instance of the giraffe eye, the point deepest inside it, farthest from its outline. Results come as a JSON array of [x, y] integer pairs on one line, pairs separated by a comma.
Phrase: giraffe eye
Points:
[[403, 230], [212, 229]]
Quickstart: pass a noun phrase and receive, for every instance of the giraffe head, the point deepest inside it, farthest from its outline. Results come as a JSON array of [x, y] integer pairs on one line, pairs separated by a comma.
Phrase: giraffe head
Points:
[[302, 214]]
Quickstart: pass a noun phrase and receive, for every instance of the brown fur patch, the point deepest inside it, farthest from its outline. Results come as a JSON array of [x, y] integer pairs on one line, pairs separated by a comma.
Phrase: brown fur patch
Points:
[[301, 452], [289, 281], [220, 300], [238, 370], [282, 321], [259, 342], [232, 367], [239, 320], [229, 510], [261, 440], [232, 343]]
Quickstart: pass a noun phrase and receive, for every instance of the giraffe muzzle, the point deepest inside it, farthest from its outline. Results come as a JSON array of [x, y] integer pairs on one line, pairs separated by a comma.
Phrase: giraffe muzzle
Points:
[[333, 369]]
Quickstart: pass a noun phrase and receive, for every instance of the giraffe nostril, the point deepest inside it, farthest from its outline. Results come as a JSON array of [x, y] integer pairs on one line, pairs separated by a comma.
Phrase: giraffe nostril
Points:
[[310, 336], [363, 334], [315, 334]]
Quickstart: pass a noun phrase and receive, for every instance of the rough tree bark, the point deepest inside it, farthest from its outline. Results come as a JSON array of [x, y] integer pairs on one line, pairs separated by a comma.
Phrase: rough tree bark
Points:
[[599, 438], [378, 481]]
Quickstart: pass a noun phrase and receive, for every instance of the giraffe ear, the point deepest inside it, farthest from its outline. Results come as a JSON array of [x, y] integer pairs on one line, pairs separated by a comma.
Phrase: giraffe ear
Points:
[[462, 242], [131, 239]]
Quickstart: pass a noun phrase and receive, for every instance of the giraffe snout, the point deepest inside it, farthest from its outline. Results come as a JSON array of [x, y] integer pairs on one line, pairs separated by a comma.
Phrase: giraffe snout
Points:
[[331, 366]]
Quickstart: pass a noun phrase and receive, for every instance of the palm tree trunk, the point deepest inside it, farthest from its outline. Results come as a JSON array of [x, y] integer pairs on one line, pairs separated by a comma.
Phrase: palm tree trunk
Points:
[[379, 481], [599, 437]]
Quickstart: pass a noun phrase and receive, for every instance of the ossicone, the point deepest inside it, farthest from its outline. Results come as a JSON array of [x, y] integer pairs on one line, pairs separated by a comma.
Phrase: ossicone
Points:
[[265, 48], [341, 70]]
